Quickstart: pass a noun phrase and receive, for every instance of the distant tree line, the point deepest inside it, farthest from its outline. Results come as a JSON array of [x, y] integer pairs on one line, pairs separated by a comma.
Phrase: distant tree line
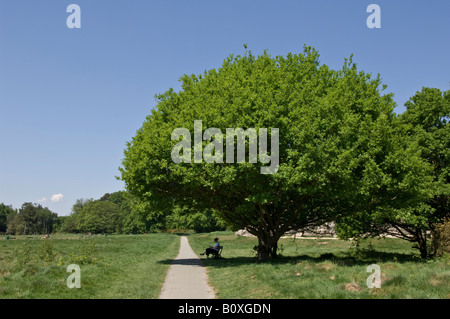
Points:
[[116, 212], [29, 219]]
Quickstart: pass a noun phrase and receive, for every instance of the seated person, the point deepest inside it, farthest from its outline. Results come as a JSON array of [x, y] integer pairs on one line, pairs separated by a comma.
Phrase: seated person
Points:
[[213, 250]]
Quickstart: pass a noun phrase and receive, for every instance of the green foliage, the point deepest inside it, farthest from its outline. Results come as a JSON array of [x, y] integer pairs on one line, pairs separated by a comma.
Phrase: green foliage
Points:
[[98, 217], [24, 254], [80, 204], [67, 224], [87, 255], [339, 152], [5, 213], [31, 219], [139, 217], [423, 130], [201, 222], [440, 243], [427, 121], [29, 257], [46, 251], [121, 212]]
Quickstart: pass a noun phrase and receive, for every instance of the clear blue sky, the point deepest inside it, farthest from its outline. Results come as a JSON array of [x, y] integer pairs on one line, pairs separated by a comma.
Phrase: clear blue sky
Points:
[[70, 99]]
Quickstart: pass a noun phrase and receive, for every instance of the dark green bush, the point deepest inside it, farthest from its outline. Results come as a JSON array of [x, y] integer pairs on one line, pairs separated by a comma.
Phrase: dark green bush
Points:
[[440, 242]]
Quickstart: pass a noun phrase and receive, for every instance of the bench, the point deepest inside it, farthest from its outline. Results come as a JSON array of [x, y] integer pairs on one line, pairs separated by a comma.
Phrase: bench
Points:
[[218, 254]]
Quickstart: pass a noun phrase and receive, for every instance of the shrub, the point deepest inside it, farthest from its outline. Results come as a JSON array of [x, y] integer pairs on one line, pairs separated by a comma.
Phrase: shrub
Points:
[[440, 242], [88, 255], [46, 252], [24, 255]]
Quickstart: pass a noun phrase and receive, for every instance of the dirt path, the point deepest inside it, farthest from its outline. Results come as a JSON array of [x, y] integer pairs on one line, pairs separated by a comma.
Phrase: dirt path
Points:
[[186, 277]]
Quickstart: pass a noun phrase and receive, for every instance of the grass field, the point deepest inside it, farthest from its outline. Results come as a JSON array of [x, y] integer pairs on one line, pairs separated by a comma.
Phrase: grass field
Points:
[[134, 266], [117, 266], [322, 268]]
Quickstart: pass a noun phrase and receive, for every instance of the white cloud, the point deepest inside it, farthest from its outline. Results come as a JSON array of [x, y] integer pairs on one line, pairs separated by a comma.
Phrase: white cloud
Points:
[[57, 198], [42, 200]]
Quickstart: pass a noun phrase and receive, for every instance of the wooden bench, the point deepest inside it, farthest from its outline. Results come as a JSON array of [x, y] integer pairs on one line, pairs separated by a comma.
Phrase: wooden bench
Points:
[[219, 253]]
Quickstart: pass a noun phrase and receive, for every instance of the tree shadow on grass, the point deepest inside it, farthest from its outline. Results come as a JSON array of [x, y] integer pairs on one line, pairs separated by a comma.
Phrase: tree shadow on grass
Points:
[[360, 258], [214, 262]]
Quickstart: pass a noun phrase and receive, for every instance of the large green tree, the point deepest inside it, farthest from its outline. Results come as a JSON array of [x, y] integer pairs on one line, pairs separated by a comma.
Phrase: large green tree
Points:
[[338, 154]]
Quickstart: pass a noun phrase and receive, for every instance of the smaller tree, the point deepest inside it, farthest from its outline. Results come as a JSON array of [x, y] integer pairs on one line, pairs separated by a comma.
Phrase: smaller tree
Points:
[[79, 205], [427, 121], [98, 217], [440, 243], [67, 224], [424, 130]]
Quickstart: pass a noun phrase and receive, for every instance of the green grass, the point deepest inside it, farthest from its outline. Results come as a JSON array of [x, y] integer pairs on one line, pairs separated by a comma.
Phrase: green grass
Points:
[[134, 266], [116, 266], [322, 268]]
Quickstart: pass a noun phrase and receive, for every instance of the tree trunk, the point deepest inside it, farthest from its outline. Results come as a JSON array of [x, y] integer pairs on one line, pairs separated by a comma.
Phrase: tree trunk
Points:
[[267, 246], [422, 245]]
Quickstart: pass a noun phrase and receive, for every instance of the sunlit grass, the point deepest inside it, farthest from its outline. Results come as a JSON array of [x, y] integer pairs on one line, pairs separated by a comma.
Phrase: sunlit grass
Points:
[[135, 266], [117, 266], [323, 268]]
